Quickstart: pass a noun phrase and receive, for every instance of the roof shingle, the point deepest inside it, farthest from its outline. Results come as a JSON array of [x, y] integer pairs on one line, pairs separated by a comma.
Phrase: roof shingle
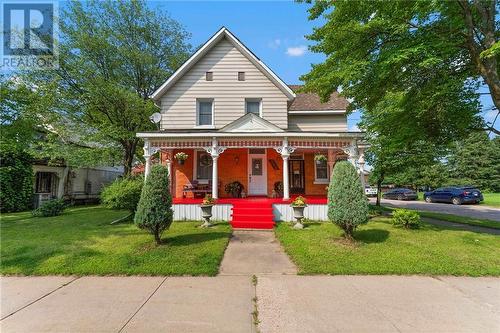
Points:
[[312, 102]]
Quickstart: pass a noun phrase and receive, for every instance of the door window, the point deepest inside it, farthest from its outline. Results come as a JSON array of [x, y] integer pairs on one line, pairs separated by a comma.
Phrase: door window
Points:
[[256, 166]]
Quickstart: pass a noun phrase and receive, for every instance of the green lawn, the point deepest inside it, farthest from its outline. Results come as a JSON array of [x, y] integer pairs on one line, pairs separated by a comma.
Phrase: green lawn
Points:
[[461, 219], [82, 242], [385, 249], [491, 199]]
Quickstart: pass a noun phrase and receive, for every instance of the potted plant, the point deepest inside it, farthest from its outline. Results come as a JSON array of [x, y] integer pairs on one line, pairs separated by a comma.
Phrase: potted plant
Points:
[[181, 157], [320, 158], [206, 210], [298, 206], [234, 189]]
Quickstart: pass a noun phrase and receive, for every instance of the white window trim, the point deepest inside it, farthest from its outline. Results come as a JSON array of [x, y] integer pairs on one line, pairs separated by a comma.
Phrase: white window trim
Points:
[[254, 100], [195, 165], [321, 180], [198, 101]]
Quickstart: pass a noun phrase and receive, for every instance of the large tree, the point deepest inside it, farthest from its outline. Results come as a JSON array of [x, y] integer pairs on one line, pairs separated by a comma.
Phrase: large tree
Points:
[[113, 56], [435, 53]]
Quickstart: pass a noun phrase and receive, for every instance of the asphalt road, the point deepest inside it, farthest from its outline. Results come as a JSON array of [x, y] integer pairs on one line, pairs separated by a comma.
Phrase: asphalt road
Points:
[[477, 211]]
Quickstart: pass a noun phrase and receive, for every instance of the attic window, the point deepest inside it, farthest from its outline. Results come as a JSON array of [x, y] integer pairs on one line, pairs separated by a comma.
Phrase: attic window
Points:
[[241, 76], [209, 76]]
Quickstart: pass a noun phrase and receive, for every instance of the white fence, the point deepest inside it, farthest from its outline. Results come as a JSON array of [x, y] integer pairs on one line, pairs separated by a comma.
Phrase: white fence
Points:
[[193, 212], [284, 212], [281, 212]]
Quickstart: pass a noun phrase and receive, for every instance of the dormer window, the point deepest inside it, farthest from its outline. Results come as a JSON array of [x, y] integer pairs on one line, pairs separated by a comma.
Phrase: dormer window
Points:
[[241, 76], [209, 76], [253, 105]]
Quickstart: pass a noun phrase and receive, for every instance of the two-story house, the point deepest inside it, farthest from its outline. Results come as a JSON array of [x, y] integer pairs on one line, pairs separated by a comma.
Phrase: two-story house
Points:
[[238, 121]]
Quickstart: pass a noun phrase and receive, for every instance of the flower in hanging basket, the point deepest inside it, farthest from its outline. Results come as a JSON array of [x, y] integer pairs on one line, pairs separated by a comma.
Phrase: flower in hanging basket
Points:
[[299, 201], [208, 200], [181, 156], [320, 158]]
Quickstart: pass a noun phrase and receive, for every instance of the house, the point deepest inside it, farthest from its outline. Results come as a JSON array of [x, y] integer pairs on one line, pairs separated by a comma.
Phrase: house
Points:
[[238, 121], [78, 185]]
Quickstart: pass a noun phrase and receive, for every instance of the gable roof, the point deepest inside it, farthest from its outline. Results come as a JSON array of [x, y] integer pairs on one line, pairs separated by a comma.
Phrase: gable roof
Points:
[[250, 123], [219, 35], [312, 102]]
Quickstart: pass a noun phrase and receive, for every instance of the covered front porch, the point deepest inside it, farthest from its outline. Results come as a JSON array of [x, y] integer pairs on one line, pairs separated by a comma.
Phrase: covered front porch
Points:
[[265, 165]]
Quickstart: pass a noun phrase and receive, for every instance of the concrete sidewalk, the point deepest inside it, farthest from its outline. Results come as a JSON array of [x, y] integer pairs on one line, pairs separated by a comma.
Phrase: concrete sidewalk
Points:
[[286, 303]]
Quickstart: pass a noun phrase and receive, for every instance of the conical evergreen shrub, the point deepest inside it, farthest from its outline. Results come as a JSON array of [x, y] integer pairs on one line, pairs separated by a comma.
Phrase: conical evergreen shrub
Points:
[[154, 211], [347, 203]]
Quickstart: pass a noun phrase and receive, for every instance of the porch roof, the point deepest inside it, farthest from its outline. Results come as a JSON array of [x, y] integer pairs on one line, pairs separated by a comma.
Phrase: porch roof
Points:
[[217, 134]]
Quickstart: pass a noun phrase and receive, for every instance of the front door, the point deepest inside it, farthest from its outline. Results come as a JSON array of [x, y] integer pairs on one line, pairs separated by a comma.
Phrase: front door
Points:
[[257, 172], [296, 176]]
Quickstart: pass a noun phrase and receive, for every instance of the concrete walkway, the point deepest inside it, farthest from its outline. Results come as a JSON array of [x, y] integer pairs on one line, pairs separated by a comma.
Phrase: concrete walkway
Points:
[[286, 303], [255, 252]]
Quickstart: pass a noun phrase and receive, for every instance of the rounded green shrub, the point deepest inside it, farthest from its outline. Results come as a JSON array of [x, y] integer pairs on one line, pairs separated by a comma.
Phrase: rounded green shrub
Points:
[[405, 217], [50, 208], [16, 180], [123, 194], [347, 203], [154, 211]]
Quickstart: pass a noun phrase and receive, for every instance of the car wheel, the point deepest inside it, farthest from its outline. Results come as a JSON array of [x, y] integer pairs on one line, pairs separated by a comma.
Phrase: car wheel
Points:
[[428, 199], [456, 201]]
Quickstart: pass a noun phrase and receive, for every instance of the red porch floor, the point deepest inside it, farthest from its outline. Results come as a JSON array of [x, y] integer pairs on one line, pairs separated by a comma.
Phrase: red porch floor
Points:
[[252, 212]]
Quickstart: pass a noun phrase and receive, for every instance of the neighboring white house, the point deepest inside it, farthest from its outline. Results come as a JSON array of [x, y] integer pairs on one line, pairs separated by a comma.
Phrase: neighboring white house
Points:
[[74, 184]]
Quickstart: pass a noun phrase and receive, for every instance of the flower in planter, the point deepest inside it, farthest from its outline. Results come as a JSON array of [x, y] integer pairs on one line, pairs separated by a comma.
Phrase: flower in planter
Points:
[[320, 158], [235, 188], [208, 200], [299, 201], [181, 156]]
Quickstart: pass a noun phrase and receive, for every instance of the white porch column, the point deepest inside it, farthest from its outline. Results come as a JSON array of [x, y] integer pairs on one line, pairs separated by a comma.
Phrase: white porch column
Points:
[[215, 150], [285, 152], [331, 162], [361, 163], [168, 162], [147, 157]]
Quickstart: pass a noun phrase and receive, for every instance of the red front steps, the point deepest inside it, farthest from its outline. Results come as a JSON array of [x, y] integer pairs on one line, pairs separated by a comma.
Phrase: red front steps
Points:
[[252, 214]]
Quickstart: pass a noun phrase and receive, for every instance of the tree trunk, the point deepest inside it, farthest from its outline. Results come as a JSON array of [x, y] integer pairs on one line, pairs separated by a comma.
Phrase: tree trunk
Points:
[[379, 190], [157, 237], [129, 150]]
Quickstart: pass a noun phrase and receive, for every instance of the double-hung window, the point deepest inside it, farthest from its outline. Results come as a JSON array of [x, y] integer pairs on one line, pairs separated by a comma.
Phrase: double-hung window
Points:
[[253, 105], [205, 111], [321, 171]]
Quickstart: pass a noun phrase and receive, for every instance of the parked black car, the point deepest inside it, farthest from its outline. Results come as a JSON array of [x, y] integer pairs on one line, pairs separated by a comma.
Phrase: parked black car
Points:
[[456, 195], [400, 194]]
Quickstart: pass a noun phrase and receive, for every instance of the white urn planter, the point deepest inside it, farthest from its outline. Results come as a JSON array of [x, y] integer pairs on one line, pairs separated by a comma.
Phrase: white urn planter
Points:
[[298, 214], [206, 213]]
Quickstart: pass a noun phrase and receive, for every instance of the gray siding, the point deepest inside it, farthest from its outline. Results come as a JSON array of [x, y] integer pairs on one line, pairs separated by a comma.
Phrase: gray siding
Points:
[[333, 123], [178, 105]]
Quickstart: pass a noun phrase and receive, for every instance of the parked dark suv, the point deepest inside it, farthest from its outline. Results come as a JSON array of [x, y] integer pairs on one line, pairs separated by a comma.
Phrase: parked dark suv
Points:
[[456, 195], [400, 194]]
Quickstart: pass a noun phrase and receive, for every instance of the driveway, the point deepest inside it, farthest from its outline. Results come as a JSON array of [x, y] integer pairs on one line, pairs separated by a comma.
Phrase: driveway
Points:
[[285, 303], [477, 211]]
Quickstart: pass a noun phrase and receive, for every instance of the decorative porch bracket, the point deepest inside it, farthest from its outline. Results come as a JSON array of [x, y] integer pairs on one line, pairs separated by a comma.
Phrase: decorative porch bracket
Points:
[[215, 150], [285, 150]]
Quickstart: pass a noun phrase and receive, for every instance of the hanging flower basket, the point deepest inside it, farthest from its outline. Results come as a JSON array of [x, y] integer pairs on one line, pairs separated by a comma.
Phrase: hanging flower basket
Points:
[[320, 158], [181, 157]]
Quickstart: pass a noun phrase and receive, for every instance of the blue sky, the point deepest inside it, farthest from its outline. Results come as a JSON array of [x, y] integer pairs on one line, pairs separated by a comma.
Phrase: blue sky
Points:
[[274, 30]]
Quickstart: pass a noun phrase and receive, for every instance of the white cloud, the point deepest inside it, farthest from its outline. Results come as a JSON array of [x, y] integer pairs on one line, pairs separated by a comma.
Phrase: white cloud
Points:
[[274, 44], [354, 128], [296, 51]]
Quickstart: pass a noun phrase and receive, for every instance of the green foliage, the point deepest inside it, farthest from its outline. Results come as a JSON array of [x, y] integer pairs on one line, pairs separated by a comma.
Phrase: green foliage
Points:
[[154, 211], [405, 217], [426, 52], [123, 194], [53, 207], [476, 161], [347, 203], [16, 180]]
